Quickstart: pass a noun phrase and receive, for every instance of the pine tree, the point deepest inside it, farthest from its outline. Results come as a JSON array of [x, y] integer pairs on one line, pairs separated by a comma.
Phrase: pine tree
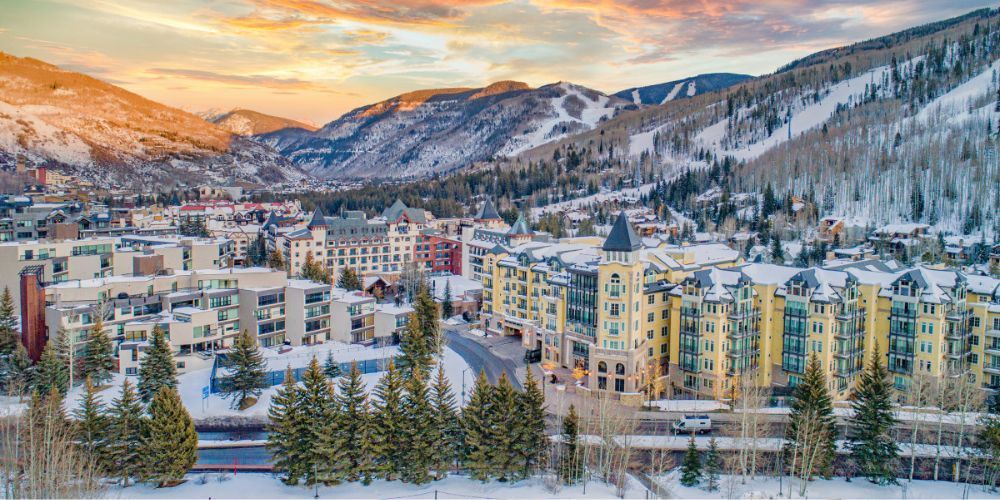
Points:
[[156, 367], [388, 425], [287, 435], [777, 253], [531, 438], [446, 430], [125, 435], [447, 310], [16, 371], [248, 371], [51, 371], [712, 466], [169, 441], [477, 428], [8, 324], [570, 465], [318, 417], [349, 280], [872, 446], [276, 261], [92, 425], [331, 368], [503, 414], [811, 406], [691, 468], [357, 426], [418, 416], [415, 349], [99, 356], [314, 270]]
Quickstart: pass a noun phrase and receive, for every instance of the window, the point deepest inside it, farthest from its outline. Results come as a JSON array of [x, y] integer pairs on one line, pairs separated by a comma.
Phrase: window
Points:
[[602, 367], [619, 369], [619, 385]]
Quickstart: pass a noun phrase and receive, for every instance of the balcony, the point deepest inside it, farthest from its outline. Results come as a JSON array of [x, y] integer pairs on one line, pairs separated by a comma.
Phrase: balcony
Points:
[[741, 315], [994, 369], [904, 313]]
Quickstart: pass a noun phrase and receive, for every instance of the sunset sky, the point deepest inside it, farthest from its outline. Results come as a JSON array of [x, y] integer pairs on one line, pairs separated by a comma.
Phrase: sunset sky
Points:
[[315, 59]]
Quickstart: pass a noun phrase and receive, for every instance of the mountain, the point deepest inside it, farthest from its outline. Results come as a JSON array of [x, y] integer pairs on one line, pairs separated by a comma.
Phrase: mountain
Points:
[[106, 134], [426, 132], [678, 89], [247, 122], [899, 128]]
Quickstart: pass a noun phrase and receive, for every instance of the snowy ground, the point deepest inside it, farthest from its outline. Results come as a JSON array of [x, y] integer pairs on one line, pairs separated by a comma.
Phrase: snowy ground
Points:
[[190, 384], [563, 206], [267, 486], [837, 488], [692, 405]]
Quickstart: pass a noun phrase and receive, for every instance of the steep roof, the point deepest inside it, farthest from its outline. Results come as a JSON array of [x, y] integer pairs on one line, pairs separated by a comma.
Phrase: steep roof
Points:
[[520, 227], [487, 211], [318, 219], [394, 211], [622, 238], [399, 209]]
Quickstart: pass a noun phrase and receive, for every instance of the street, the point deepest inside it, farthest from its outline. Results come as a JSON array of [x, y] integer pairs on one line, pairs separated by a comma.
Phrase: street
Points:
[[484, 358]]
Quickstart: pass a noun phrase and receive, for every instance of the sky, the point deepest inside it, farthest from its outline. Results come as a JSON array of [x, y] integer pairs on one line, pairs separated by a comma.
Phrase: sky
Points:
[[314, 60]]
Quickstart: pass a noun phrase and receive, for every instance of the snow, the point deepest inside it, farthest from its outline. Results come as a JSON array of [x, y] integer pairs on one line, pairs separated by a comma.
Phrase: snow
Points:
[[692, 88], [673, 92], [836, 488], [577, 203], [190, 384], [635, 96], [544, 132], [251, 485], [11, 406], [694, 405], [956, 102]]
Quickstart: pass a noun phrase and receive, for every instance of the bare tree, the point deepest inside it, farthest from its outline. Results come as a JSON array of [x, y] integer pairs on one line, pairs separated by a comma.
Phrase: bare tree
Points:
[[807, 449], [748, 400], [917, 395]]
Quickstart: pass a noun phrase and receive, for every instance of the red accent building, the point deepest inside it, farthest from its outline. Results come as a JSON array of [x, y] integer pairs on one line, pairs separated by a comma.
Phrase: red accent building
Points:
[[437, 253], [33, 334]]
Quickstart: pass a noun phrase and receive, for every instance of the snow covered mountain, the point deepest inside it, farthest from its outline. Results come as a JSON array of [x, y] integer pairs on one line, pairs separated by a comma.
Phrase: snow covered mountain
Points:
[[249, 122], [678, 89], [106, 134], [432, 131], [901, 128]]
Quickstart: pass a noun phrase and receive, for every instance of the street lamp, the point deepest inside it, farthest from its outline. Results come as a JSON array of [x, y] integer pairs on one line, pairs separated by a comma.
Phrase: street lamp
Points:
[[463, 384]]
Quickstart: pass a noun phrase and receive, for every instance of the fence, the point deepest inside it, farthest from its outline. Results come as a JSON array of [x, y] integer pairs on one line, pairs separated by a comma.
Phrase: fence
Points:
[[277, 377]]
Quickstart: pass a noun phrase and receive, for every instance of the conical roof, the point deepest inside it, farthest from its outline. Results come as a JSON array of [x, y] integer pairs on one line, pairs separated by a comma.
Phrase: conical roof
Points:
[[318, 219], [487, 211], [622, 238], [520, 227]]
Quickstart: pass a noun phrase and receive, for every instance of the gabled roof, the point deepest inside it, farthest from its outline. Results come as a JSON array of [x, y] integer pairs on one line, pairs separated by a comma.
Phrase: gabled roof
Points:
[[622, 238], [520, 227], [318, 219], [395, 210], [487, 211], [399, 209]]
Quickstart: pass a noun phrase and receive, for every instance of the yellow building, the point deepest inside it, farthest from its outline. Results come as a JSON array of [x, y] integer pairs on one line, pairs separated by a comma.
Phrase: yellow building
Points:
[[635, 316]]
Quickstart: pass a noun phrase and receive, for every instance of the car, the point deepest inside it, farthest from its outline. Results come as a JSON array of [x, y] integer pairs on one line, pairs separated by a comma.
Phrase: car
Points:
[[698, 424]]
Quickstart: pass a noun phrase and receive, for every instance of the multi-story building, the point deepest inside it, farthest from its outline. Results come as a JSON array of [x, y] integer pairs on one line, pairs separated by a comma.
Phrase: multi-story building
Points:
[[80, 259], [634, 316]]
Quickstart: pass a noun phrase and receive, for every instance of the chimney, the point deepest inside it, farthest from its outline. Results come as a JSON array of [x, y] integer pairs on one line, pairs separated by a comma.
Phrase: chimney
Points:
[[33, 334]]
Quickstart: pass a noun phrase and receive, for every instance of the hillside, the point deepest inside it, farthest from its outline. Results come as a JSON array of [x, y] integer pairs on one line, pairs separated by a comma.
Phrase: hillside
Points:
[[106, 134], [680, 89], [248, 122], [897, 128], [432, 131]]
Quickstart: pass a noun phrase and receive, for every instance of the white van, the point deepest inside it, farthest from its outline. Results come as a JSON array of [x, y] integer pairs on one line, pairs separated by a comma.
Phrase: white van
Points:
[[698, 424]]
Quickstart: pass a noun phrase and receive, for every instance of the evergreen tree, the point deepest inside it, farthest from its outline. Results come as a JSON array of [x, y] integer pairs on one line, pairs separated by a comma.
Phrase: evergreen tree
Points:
[[287, 435], [777, 253], [99, 356], [357, 426], [52, 371], [276, 261], [477, 430], [446, 430], [16, 371], [712, 466], [418, 417], [92, 425], [503, 414], [248, 371], [388, 421], [169, 441], [872, 446], [125, 435], [8, 324], [331, 368], [570, 465], [319, 416], [531, 439], [156, 367], [313, 270], [447, 310], [416, 350], [691, 468], [811, 405], [349, 280]]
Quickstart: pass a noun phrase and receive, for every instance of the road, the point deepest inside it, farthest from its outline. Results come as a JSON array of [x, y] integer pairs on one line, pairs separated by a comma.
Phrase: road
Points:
[[482, 358]]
